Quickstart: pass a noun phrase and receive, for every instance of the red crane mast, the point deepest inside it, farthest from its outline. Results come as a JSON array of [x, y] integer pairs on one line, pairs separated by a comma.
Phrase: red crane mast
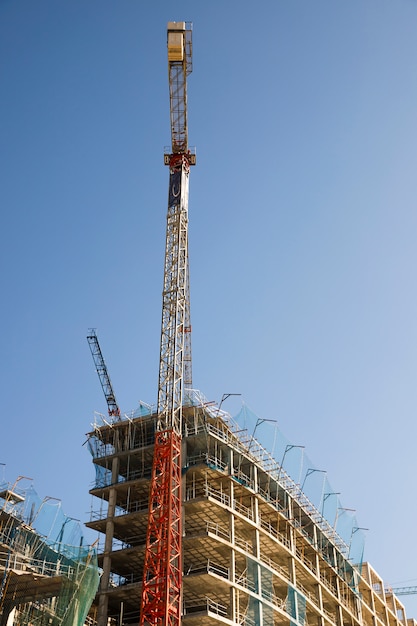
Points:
[[162, 574]]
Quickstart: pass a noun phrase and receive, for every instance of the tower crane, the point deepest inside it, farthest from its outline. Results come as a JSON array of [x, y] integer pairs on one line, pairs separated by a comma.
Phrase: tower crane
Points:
[[103, 374], [162, 573], [402, 591]]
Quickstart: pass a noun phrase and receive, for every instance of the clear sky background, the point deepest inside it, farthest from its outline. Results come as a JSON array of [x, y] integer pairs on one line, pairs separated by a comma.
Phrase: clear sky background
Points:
[[303, 225]]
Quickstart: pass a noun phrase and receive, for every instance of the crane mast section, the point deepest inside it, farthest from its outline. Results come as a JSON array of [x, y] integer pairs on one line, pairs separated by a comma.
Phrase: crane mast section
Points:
[[175, 313], [161, 586], [188, 370], [103, 374]]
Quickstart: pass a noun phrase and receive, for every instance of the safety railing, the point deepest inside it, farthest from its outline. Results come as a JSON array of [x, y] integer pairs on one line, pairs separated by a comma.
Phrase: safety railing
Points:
[[130, 507], [243, 479], [20, 562], [204, 605], [274, 566], [327, 583], [208, 567], [118, 544], [243, 581], [208, 459], [117, 580], [219, 531], [243, 544], [271, 530], [106, 480]]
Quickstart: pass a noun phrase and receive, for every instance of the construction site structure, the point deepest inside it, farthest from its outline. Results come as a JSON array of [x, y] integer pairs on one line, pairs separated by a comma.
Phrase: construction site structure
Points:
[[47, 576], [256, 550], [202, 525]]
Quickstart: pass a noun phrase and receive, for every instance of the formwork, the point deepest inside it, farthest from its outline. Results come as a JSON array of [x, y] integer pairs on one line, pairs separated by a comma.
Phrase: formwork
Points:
[[256, 549], [44, 579]]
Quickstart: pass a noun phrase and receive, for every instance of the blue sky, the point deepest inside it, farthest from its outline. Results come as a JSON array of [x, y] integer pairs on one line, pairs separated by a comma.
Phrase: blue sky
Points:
[[302, 233]]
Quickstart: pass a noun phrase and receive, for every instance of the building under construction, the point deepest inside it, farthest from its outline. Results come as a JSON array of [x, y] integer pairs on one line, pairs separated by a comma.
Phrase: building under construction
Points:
[[47, 576], [256, 550], [201, 524]]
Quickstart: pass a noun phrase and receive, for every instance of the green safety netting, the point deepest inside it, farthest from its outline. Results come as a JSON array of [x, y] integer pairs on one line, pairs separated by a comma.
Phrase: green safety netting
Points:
[[268, 594], [260, 609], [253, 610], [296, 606], [311, 482], [47, 576]]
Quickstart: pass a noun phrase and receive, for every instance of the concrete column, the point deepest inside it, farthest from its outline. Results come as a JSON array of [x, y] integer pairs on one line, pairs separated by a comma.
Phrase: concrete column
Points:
[[255, 508], [232, 564], [108, 544]]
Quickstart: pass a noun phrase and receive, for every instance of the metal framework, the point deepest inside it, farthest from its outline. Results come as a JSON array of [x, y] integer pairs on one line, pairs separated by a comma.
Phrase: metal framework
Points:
[[162, 573], [402, 591], [103, 374], [174, 299], [161, 595], [188, 370], [179, 67]]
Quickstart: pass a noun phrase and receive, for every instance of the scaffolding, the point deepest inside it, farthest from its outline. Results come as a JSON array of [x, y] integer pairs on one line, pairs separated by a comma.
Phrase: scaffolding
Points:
[[47, 576], [260, 548]]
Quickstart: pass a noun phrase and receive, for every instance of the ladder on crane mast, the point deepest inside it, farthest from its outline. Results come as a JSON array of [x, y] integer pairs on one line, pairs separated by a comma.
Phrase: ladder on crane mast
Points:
[[162, 572]]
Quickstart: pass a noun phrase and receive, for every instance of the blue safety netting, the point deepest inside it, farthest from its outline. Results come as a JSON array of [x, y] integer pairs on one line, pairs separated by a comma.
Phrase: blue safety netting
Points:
[[308, 478]]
